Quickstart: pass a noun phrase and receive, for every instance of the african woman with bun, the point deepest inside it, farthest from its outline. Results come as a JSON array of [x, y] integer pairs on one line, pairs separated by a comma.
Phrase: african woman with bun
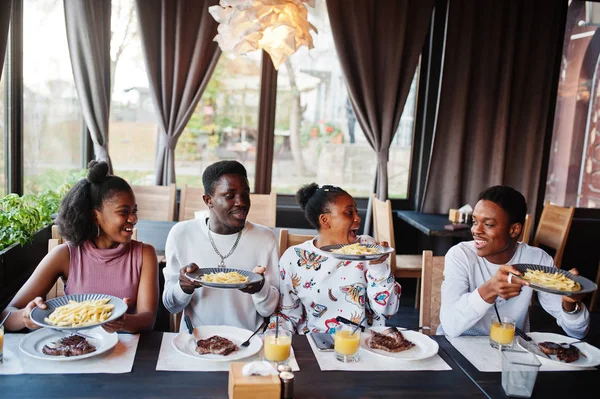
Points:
[[316, 287], [96, 219]]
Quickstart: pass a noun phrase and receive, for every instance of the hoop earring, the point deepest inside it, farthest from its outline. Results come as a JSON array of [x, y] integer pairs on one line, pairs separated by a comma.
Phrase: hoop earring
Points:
[[98, 226]]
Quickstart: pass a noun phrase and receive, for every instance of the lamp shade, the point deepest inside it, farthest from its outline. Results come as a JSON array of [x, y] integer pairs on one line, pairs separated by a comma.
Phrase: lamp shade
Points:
[[279, 27]]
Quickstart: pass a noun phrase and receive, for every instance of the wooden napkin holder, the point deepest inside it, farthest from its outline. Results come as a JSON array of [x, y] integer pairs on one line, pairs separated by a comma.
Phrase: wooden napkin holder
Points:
[[250, 387]]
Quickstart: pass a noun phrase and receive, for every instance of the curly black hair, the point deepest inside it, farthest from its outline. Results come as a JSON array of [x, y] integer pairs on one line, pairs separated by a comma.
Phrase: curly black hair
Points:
[[75, 217], [509, 199], [213, 173], [315, 200]]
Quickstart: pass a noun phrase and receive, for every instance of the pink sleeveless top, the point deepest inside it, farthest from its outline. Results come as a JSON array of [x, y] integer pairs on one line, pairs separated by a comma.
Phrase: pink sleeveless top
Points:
[[114, 271]]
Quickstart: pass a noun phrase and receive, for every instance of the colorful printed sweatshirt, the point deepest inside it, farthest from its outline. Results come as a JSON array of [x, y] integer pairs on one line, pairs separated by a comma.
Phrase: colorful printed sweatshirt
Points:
[[315, 288]]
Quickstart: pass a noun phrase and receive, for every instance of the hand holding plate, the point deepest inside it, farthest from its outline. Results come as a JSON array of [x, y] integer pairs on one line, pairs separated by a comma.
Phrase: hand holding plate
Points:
[[188, 286], [37, 302], [256, 287], [117, 325], [384, 257], [570, 301]]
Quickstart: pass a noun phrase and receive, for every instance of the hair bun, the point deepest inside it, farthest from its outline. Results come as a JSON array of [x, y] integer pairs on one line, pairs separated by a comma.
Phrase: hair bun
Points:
[[305, 194], [97, 171]]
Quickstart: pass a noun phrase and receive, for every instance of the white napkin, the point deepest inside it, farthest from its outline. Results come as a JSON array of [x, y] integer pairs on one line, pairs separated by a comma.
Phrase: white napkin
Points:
[[170, 359], [464, 212], [478, 351], [117, 360], [372, 362]]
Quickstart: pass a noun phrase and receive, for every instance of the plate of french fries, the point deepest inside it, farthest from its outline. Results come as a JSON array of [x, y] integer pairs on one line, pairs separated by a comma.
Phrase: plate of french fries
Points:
[[79, 312], [221, 277], [357, 251], [555, 281]]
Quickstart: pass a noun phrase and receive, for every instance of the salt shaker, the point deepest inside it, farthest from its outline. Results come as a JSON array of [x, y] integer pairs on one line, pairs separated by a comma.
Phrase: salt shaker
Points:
[[284, 367], [287, 384]]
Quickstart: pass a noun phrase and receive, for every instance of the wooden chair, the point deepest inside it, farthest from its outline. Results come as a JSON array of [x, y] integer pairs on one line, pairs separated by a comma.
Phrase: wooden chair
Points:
[[58, 289], [526, 232], [553, 229], [155, 202], [287, 240], [191, 201], [431, 291], [402, 266]]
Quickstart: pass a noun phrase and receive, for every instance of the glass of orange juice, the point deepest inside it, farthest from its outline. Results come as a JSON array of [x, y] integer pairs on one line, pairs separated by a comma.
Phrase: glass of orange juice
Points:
[[502, 332], [346, 343], [277, 346], [1, 343]]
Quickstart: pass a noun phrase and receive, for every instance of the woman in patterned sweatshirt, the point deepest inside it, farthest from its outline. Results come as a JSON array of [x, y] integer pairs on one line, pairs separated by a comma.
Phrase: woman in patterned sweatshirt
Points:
[[316, 287]]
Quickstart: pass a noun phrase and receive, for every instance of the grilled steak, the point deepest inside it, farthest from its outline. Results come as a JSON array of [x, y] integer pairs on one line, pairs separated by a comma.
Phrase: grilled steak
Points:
[[73, 345], [217, 345], [568, 355], [549, 348], [390, 340]]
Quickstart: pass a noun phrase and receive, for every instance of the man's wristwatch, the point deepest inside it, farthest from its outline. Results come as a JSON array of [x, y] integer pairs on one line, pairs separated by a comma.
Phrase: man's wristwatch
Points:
[[574, 311]]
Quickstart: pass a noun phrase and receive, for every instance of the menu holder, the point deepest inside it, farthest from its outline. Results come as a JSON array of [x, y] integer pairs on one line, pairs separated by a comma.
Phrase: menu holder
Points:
[[255, 386]]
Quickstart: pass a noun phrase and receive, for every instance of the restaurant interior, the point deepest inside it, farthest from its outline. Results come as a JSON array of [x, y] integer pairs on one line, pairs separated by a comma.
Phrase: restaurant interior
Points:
[[411, 106]]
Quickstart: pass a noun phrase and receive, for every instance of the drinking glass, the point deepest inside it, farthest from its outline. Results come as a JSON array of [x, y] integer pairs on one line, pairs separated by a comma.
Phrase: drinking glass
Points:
[[519, 372], [277, 349], [502, 332], [346, 343]]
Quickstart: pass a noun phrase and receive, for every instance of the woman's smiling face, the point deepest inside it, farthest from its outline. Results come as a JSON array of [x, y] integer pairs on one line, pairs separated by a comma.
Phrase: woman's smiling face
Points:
[[341, 223]]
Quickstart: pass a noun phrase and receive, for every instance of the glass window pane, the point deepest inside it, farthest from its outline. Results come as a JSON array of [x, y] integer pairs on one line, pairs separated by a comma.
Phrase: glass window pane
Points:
[[3, 123], [225, 122], [51, 110], [317, 137], [574, 165], [133, 129]]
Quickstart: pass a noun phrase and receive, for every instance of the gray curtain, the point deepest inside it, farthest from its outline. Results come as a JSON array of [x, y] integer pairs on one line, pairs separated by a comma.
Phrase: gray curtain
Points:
[[88, 36], [379, 44], [5, 11], [496, 95], [177, 37]]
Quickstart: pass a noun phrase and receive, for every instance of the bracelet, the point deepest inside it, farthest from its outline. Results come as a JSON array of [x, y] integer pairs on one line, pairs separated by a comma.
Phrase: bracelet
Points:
[[574, 311]]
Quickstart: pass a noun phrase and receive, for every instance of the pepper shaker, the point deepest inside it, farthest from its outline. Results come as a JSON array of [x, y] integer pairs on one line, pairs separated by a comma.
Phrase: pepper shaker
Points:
[[287, 384]]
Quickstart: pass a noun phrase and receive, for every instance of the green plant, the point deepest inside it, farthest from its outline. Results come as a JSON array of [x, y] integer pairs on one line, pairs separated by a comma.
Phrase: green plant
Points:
[[21, 217]]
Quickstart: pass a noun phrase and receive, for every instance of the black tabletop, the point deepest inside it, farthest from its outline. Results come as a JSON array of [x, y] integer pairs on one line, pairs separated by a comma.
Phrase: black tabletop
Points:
[[310, 382], [432, 224]]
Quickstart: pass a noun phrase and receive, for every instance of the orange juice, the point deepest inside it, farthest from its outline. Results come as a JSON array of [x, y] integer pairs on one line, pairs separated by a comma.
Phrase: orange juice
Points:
[[277, 349], [1, 342], [346, 343], [502, 333]]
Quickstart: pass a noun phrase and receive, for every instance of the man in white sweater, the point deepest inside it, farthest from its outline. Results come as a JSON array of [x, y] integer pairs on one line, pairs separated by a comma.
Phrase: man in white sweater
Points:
[[476, 273], [222, 237]]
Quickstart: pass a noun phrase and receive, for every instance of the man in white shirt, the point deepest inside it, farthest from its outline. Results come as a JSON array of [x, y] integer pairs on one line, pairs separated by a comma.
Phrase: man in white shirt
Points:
[[476, 273], [222, 237]]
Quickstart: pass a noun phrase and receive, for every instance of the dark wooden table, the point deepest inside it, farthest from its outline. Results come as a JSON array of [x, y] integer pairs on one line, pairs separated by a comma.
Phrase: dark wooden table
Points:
[[549, 384], [310, 382], [434, 236]]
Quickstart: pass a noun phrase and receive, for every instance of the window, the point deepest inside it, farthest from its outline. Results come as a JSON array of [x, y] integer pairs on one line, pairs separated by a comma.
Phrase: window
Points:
[[317, 137], [3, 124], [574, 165], [132, 129], [225, 122], [51, 111]]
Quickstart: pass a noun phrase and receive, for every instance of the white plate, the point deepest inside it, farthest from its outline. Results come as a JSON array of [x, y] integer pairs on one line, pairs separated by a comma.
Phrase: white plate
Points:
[[184, 343], [382, 251], [424, 348], [39, 315], [196, 275], [32, 343], [592, 354]]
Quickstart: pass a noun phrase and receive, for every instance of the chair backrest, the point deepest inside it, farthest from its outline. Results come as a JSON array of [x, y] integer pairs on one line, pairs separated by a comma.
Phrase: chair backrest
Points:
[[263, 209], [384, 226], [191, 201], [287, 240], [526, 232], [432, 276], [155, 202], [553, 229]]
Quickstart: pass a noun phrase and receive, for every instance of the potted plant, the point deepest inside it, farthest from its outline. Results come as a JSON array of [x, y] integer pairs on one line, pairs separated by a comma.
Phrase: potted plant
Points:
[[25, 228]]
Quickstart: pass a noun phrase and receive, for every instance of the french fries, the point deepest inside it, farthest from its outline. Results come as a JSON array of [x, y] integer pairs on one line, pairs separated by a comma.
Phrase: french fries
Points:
[[81, 314], [356, 249], [551, 280], [224, 278]]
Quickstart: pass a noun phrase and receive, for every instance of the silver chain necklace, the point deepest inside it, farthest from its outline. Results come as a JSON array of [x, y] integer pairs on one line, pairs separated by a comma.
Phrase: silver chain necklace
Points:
[[212, 242]]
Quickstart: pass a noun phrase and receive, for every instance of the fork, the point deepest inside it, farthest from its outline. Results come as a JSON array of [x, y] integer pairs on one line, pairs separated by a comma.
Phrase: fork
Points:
[[246, 343]]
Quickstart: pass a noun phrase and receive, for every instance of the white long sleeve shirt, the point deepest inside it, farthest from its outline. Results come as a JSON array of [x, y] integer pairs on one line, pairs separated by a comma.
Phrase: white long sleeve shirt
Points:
[[463, 310], [188, 242], [316, 288]]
